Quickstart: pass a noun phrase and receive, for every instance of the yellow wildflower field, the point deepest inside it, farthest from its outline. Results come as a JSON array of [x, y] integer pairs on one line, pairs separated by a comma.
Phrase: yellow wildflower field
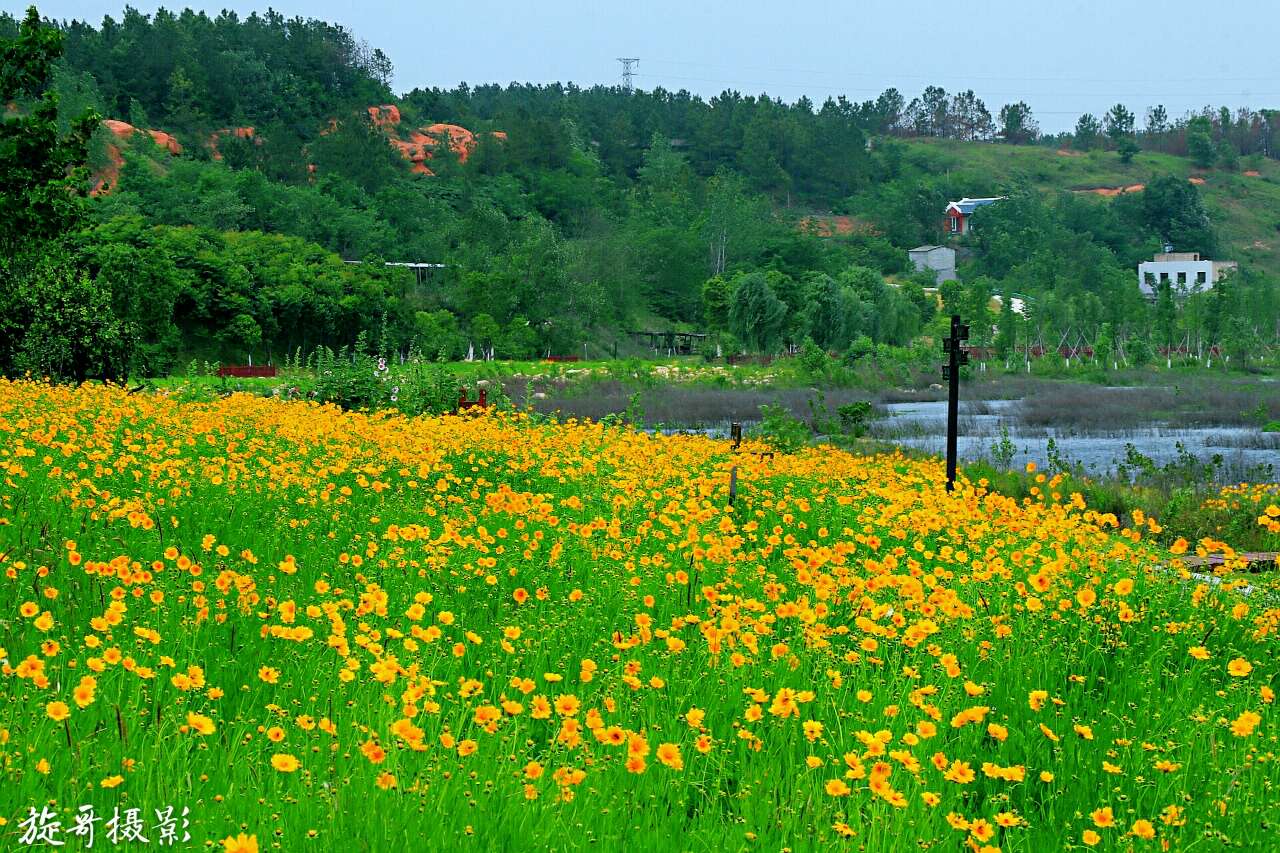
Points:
[[299, 628]]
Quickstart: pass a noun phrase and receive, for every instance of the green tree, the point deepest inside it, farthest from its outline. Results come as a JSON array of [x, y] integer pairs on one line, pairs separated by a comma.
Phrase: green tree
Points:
[[757, 316], [42, 174], [55, 321], [717, 297], [1006, 336], [835, 315], [1087, 133], [1200, 142], [1173, 209], [1017, 126], [485, 332], [1119, 129]]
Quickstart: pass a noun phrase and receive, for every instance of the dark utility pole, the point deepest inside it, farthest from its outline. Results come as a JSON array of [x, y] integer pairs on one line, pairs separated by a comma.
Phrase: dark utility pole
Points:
[[956, 356]]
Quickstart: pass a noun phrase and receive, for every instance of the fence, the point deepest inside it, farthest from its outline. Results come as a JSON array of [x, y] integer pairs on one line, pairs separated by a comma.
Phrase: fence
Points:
[[244, 371]]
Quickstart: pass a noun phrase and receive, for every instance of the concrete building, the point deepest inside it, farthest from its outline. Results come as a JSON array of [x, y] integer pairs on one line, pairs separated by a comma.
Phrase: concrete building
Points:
[[956, 221], [1185, 271], [940, 259]]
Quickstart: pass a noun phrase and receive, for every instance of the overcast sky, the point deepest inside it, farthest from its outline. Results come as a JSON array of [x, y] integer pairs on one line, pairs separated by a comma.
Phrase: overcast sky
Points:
[[1061, 57]]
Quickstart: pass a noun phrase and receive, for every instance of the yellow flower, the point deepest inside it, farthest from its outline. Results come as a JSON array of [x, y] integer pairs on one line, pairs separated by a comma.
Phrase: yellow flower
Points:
[[837, 788], [284, 762], [1103, 817], [240, 844], [1143, 829], [57, 711], [1090, 837], [1239, 667], [200, 724], [1244, 724], [111, 781]]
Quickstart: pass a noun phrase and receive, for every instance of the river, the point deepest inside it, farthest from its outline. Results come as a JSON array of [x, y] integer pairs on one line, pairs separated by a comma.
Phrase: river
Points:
[[1245, 452]]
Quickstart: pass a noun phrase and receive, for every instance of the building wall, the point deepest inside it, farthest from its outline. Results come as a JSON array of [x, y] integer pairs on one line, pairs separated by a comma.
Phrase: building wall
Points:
[[1182, 274], [939, 259]]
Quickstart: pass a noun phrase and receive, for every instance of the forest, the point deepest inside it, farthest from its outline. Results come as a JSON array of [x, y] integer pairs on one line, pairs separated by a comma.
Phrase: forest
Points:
[[233, 187]]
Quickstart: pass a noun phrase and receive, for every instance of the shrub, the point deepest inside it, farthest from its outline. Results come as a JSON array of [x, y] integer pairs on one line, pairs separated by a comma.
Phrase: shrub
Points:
[[781, 431]]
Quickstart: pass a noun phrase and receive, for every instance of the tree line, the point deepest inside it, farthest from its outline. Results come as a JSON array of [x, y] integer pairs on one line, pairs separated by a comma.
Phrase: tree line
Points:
[[600, 209]]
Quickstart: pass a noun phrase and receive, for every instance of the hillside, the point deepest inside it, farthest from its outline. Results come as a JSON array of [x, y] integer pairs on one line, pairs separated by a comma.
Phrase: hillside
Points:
[[1244, 205], [245, 209]]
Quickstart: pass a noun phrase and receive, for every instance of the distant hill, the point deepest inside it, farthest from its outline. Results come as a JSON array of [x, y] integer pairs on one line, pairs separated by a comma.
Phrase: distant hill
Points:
[[1244, 205], [555, 215]]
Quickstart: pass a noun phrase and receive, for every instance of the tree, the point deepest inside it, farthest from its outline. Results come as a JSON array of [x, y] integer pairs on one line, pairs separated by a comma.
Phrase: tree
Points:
[[55, 321], [1200, 142], [484, 333], [969, 118], [1166, 318], [1172, 208], [757, 316], [1119, 128], [1118, 123], [717, 297], [42, 172], [1228, 157], [834, 313], [1104, 346], [1157, 120], [1006, 336], [1017, 126], [1086, 134]]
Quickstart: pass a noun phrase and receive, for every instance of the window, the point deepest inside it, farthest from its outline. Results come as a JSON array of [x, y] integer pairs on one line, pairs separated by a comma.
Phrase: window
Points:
[[1200, 277], [1164, 276], [1182, 278], [955, 224]]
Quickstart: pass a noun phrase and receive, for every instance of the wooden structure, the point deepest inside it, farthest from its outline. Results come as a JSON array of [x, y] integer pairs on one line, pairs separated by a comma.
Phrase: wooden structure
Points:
[[672, 343]]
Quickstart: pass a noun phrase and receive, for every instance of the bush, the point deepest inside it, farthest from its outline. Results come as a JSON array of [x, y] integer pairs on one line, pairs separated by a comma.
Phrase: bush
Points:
[[854, 418], [780, 430]]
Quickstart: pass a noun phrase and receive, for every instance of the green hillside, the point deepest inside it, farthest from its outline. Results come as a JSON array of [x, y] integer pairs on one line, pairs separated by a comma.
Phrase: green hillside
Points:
[[246, 180], [1244, 207]]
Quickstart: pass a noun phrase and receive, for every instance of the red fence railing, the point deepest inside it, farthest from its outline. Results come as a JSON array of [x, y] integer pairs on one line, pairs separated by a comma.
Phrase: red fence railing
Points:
[[244, 371], [464, 403]]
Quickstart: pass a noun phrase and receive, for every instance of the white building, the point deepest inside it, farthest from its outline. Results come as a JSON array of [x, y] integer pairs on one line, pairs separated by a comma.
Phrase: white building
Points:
[[940, 259], [1185, 271]]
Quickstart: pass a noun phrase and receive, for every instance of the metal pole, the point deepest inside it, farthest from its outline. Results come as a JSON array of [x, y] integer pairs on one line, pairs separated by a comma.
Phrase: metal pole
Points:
[[953, 400], [951, 372]]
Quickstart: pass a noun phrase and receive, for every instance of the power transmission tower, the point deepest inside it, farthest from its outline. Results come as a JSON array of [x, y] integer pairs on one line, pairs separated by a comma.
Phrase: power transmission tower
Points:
[[628, 73]]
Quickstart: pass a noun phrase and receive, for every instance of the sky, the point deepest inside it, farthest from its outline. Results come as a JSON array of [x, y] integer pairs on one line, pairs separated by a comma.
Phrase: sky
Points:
[[1063, 58]]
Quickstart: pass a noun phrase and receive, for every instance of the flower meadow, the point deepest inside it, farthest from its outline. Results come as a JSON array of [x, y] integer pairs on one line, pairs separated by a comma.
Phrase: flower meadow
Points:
[[323, 630]]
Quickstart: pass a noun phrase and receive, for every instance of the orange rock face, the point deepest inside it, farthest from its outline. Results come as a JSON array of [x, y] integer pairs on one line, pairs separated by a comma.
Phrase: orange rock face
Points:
[[385, 116], [238, 132], [121, 129], [832, 226], [107, 180], [166, 141]]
